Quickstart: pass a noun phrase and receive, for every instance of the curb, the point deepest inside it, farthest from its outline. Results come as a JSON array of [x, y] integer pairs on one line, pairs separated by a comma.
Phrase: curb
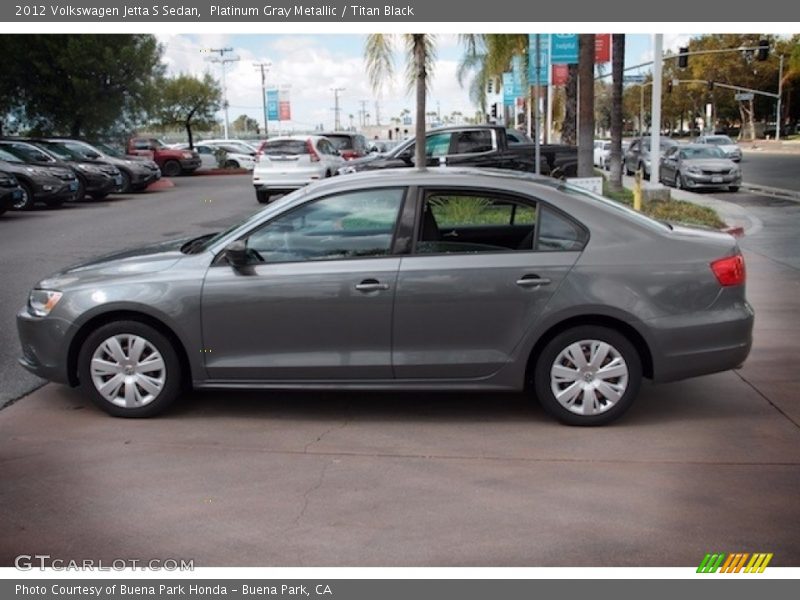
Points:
[[772, 191], [736, 232], [161, 184], [214, 172]]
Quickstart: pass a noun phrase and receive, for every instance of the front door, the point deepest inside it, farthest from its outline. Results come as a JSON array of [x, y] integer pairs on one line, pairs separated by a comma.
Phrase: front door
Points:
[[315, 302]]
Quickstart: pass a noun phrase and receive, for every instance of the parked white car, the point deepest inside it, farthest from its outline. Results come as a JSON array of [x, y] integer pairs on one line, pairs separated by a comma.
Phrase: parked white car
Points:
[[284, 164], [602, 152], [729, 148], [234, 158], [242, 146]]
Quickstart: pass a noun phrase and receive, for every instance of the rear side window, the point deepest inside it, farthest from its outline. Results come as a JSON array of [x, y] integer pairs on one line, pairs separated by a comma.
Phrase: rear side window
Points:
[[472, 142], [556, 232], [284, 147], [341, 142]]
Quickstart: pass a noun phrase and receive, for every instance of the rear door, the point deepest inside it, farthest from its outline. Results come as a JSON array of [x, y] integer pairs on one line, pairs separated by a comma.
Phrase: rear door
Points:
[[483, 267]]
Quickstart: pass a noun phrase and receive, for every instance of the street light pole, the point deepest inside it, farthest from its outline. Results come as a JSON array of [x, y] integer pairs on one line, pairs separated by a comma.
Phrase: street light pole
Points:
[[222, 62], [655, 121], [780, 93], [264, 69], [337, 125]]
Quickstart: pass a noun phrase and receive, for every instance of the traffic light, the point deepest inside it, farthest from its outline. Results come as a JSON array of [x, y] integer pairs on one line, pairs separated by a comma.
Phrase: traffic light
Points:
[[763, 50], [669, 87], [683, 57], [494, 110], [710, 86]]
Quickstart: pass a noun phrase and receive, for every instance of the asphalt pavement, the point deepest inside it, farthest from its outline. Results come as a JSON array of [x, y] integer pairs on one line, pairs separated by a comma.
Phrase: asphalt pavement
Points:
[[772, 169], [377, 479]]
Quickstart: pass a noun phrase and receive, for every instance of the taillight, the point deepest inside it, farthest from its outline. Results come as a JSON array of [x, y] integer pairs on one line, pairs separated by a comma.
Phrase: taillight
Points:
[[312, 153], [729, 270]]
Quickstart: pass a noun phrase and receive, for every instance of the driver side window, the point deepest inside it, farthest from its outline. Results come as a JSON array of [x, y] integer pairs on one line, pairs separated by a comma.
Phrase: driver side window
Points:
[[350, 225]]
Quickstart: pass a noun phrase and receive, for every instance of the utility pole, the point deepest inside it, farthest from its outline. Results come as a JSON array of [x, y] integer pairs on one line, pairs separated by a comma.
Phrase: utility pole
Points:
[[378, 113], [264, 69], [337, 125], [780, 93], [222, 62], [655, 123], [363, 113]]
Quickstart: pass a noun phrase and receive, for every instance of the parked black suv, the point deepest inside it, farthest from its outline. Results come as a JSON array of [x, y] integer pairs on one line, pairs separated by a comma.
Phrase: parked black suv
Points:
[[10, 192], [95, 178], [52, 184]]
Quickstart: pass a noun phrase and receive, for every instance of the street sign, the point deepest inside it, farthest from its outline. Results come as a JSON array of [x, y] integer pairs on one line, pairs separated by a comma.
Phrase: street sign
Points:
[[634, 78], [544, 59], [602, 47], [272, 105], [744, 96], [518, 76], [508, 89]]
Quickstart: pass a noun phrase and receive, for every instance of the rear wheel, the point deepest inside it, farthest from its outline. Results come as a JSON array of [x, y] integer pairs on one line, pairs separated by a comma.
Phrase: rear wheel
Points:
[[129, 369], [172, 168], [587, 375], [26, 201], [262, 197]]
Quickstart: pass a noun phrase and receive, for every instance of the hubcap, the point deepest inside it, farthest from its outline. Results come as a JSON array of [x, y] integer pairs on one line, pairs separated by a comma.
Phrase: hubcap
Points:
[[589, 377], [128, 371], [23, 200]]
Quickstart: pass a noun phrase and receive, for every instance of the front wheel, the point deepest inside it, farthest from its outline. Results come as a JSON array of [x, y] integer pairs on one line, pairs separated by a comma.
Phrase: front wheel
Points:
[[262, 197], [231, 164], [26, 201], [129, 369], [587, 375], [172, 168]]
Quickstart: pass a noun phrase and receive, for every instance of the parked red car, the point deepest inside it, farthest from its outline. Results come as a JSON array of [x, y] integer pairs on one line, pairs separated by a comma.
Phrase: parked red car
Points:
[[172, 162]]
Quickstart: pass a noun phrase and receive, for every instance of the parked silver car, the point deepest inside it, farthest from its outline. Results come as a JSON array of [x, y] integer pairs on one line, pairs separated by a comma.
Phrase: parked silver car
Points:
[[723, 142], [448, 278], [288, 163], [637, 155], [699, 166]]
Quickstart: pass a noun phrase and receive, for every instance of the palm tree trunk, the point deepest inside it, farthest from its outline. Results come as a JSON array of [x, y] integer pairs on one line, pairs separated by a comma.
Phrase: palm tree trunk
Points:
[[586, 105], [568, 131], [421, 85], [617, 66]]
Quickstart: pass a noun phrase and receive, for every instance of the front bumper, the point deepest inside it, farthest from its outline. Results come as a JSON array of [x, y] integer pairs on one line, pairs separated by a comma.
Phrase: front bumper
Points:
[[44, 342], [100, 183], [53, 188], [711, 181], [190, 164]]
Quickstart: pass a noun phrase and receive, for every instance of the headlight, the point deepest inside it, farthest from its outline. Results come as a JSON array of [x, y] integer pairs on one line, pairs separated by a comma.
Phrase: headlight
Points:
[[88, 169], [41, 302], [694, 170], [187, 155]]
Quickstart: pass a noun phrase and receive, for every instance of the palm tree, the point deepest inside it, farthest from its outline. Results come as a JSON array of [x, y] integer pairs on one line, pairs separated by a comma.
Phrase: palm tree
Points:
[[617, 66], [420, 57], [586, 105]]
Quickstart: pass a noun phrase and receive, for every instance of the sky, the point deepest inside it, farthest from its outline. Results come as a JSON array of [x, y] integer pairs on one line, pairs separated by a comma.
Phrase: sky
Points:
[[312, 65]]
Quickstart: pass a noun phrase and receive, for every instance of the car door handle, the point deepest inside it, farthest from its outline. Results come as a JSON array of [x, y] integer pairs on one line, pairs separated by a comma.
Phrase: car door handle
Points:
[[371, 285], [527, 281]]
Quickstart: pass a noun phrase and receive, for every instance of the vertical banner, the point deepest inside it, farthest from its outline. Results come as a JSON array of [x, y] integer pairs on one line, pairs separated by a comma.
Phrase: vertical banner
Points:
[[272, 105], [518, 77], [602, 48], [508, 89], [284, 106], [560, 74], [564, 49], [544, 59]]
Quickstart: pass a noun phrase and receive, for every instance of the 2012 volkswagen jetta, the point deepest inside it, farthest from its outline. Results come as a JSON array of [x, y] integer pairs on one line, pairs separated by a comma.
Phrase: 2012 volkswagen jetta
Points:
[[442, 279]]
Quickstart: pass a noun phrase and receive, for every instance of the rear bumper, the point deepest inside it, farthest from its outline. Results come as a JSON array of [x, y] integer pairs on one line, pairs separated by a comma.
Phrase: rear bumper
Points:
[[701, 343]]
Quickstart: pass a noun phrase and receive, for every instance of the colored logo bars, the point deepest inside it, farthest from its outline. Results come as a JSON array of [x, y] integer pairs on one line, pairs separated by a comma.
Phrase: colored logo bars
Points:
[[734, 563]]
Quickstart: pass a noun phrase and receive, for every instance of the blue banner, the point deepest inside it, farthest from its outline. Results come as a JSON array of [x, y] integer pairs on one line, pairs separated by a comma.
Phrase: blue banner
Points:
[[564, 47], [544, 59], [508, 89], [518, 77], [272, 105]]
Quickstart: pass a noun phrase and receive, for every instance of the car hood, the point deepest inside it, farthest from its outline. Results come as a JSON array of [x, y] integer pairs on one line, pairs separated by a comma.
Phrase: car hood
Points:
[[134, 261], [710, 164], [375, 161], [729, 148]]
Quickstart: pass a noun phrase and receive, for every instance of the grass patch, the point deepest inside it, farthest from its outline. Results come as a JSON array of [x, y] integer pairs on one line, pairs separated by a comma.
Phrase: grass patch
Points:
[[677, 211]]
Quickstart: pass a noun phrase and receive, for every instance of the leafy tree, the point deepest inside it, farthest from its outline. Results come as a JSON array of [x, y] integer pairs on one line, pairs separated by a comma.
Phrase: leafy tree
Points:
[[189, 102], [420, 58], [245, 123], [79, 85]]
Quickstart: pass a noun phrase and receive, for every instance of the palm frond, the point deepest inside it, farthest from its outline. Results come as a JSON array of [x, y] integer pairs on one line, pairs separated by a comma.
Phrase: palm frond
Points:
[[428, 42], [379, 55]]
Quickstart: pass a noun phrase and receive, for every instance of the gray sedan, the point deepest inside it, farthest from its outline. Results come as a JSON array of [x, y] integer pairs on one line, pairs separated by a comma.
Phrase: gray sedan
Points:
[[699, 166], [445, 279]]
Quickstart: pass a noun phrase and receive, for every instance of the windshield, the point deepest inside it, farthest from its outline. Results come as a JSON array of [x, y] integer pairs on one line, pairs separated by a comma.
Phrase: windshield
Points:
[[61, 151], [701, 152], [720, 140], [8, 157], [29, 153], [82, 149], [110, 150]]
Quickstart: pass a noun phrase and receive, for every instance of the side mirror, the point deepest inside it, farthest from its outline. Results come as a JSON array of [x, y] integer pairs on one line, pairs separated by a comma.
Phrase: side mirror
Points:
[[236, 253], [406, 157]]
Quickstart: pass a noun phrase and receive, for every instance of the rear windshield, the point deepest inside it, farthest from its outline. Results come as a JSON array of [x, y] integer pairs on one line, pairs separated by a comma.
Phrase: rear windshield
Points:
[[720, 140], [341, 142], [281, 147], [702, 152]]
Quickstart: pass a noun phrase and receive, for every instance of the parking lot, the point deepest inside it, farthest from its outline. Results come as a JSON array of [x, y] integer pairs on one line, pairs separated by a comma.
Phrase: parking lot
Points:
[[379, 479]]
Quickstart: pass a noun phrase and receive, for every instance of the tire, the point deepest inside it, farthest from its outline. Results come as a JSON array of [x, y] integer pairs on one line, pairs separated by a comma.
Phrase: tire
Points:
[[733, 188], [680, 183], [97, 196], [153, 388], [27, 201], [603, 409], [628, 172], [172, 168], [262, 197], [125, 187], [231, 164], [645, 174]]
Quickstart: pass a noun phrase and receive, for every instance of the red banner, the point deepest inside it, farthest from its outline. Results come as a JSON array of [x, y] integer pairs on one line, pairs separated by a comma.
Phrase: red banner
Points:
[[602, 47], [560, 74], [284, 110]]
